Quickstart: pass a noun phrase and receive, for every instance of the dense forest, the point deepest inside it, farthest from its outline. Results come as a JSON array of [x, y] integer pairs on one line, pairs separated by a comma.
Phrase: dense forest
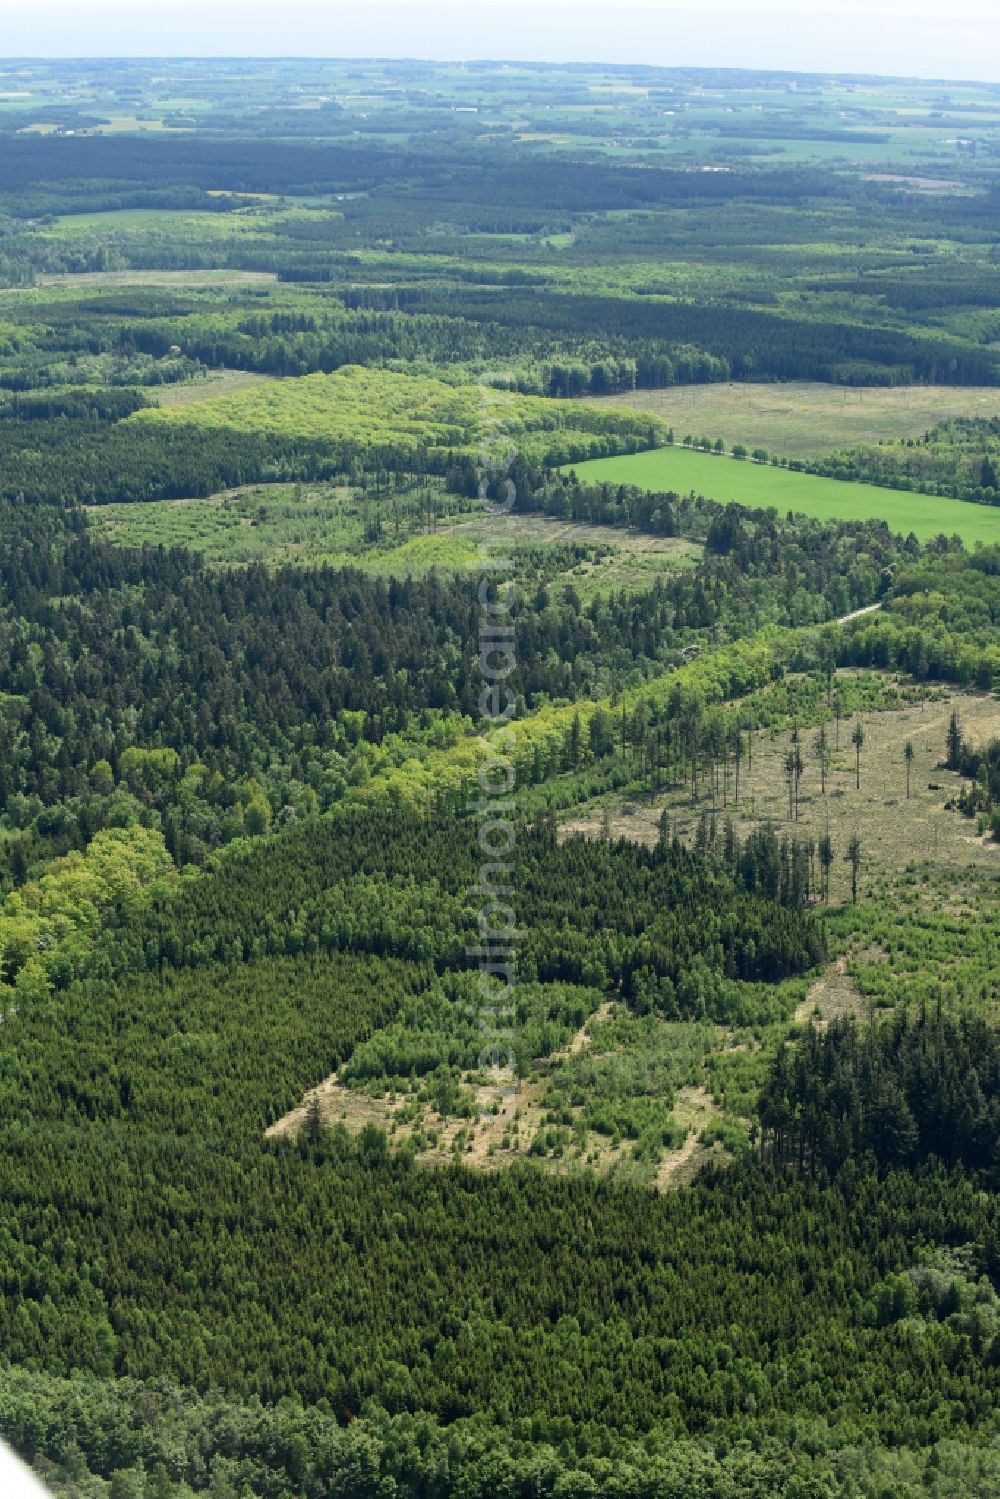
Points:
[[960, 458], [906, 1092], [403, 1098], [140, 683]]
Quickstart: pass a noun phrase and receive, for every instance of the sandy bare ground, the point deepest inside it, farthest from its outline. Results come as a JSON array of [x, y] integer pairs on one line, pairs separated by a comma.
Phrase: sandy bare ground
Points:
[[833, 996], [922, 184], [544, 528], [845, 619], [695, 1108]]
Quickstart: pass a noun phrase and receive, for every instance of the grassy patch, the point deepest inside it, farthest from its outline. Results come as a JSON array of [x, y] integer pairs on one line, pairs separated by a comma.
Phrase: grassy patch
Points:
[[180, 221], [805, 419], [616, 559], [279, 523], [895, 832], [217, 383]]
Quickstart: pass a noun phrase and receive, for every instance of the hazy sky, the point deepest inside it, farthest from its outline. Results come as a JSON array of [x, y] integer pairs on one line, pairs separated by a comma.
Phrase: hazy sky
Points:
[[930, 38]]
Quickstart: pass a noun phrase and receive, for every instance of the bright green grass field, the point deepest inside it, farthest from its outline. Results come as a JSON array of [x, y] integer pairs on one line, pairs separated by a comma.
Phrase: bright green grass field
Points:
[[758, 485]]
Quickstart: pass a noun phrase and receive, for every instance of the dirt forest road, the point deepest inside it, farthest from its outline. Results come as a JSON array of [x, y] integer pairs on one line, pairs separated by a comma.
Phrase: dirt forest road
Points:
[[845, 619]]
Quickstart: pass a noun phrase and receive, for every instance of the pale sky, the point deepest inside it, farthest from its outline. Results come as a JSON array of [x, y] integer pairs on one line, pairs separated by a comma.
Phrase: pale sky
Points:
[[927, 38]]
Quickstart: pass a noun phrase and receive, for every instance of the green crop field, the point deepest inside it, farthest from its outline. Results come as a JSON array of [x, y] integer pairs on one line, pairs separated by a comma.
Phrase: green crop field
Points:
[[722, 478], [174, 220]]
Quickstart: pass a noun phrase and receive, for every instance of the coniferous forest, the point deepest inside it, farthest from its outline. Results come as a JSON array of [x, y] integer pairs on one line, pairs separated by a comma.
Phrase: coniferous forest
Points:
[[499, 963]]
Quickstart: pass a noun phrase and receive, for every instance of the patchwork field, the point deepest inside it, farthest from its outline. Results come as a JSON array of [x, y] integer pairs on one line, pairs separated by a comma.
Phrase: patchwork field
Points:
[[418, 528], [722, 478], [579, 1109]]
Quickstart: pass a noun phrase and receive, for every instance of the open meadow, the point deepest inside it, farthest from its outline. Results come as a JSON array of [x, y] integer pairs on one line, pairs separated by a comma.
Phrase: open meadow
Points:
[[806, 418]]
